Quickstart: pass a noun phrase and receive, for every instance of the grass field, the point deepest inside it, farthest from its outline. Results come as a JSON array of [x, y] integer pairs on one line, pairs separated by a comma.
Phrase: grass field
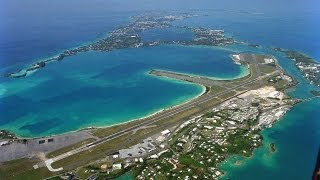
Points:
[[22, 169], [69, 148]]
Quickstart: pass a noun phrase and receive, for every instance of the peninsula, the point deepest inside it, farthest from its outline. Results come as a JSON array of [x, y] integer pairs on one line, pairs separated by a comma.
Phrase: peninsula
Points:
[[309, 67], [174, 143], [129, 37]]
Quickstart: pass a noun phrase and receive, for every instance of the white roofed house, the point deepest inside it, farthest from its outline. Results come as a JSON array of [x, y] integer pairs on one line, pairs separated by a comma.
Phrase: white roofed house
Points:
[[2, 143], [269, 60], [116, 166], [166, 132], [274, 94]]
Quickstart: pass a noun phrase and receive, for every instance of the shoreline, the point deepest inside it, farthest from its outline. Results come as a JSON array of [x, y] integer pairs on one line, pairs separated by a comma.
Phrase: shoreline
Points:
[[225, 48], [230, 160], [145, 118], [239, 76], [156, 112], [240, 160], [88, 128]]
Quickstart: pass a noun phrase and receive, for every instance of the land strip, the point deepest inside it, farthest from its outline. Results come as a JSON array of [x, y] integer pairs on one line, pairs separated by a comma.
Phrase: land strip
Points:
[[171, 112], [31, 147], [123, 136]]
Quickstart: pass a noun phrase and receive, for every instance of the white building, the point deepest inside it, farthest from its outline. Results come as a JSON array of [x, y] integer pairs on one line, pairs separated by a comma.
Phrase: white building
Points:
[[208, 127], [2, 143], [269, 60], [116, 166], [161, 138], [274, 94], [165, 132]]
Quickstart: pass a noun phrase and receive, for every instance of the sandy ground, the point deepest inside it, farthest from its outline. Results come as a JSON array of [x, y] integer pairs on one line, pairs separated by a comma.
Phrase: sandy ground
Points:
[[264, 92]]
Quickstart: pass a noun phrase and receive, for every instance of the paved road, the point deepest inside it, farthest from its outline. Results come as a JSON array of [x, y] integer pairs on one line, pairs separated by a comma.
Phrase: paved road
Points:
[[17, 150], [167, 114]]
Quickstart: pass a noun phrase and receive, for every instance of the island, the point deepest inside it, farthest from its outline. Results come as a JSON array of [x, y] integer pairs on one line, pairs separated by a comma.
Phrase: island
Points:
[[129, 37], [315, 93], [188, 140], [309, 67], [272, 147]]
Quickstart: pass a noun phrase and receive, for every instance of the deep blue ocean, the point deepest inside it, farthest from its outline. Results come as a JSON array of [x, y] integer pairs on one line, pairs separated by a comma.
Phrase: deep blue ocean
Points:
[[100, 89]]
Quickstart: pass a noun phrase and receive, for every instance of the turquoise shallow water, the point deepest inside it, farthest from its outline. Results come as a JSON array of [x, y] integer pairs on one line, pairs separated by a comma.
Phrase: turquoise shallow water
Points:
[[66, 96], [101, 89], [294, 151], [296, 137], [125, 176]]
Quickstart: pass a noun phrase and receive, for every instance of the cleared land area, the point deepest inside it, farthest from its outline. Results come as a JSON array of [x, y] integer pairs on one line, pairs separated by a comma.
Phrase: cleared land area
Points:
[[31, 147]]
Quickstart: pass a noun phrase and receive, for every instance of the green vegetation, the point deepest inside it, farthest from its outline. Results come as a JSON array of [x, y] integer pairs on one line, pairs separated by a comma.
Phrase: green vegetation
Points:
[[55, 178], [315, 93], [87, 171], [299, 57], [188, 161], [295, 55], [103, 132], [105, 149], [124, 141], [216, 89], [4, 134], [267, 68], [113, 174], [274, 79], [241, 143], [22, 169], [211, 103], [210, 114], [272, 147], [197, 148], [69, 148], [279, 83], [228, 95], [192, 155]]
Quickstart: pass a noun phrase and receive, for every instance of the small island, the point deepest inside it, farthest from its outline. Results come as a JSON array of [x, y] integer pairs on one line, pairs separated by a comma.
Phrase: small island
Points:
[[254, 45], [272, 147], [315, 93]]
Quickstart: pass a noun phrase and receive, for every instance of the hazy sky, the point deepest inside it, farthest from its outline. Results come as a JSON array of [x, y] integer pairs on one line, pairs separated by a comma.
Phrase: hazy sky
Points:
[[129, 5], [50, 16]]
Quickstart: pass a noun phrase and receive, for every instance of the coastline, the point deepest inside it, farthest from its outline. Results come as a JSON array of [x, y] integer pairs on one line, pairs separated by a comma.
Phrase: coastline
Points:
[[243, 73], [239, 161], [244, 70], [171, 107], [148, 115], [296, 135], [163, 109], [232, 160], [246, 158], [203, 91], [157, 111]]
